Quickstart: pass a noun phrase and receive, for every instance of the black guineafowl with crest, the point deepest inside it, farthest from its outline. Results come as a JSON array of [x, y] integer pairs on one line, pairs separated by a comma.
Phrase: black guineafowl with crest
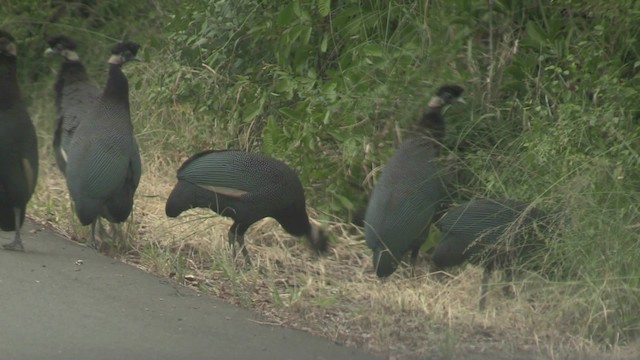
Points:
[[410, 190], [494, 234], [18, 146], [75, 95], [104, 165], [245, 187]]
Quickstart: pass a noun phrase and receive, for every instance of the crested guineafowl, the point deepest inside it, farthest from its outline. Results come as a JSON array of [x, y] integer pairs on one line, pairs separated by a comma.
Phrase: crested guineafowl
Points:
[[410, 190], [245, 187], [18, 146], [75, 95], [492, 234], [104, 166]]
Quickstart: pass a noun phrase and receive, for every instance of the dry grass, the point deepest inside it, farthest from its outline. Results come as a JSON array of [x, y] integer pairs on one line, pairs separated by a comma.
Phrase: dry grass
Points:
[[337, 296]]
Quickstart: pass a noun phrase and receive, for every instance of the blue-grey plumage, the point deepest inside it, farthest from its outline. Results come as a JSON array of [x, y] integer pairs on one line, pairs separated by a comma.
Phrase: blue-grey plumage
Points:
[[490, 233], [410, 190], [104, 165], [246, 187], [405, 199], [75, 95], [18, 146]]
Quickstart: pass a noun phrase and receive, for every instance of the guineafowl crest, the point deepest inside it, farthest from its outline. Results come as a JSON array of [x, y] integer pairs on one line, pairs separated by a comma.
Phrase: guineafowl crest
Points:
[[7, 44], [123, 52], [64, 46], [446, 95], [319, 239]]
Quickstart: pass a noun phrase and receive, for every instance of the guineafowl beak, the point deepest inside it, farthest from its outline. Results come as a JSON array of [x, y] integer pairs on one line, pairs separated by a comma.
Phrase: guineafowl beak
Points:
[[461, 100], [50, 52]]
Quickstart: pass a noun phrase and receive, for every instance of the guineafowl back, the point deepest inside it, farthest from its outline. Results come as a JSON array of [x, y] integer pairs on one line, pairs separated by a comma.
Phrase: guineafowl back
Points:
[[403, 202], [102, 150], [263, 186], [73, 89], [487, 232], [18, 144], [76, 98]]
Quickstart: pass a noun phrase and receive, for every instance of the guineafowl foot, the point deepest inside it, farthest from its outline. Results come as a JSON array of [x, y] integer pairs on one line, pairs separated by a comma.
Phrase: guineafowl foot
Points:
[[15, 245], [91, 241]]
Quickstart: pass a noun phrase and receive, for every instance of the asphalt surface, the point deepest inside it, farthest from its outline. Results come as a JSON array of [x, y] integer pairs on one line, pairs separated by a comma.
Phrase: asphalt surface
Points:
[[60, 300]]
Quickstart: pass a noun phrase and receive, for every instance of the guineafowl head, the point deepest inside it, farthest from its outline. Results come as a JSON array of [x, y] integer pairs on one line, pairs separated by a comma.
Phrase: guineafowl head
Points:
[[445, 95], [62, 45], [319, 239], [123, 52], [7, 44]]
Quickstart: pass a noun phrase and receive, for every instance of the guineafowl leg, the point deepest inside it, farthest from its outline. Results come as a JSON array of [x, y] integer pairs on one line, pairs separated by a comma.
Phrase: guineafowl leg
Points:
[[508, 289], [91, 242], [16, 244], [414, 259], [484, 286], [236, 234]]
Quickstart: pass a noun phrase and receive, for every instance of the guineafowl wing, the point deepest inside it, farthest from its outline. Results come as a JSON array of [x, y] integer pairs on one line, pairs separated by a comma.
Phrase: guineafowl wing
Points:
[[483, 229], [96, 169], [78, 101], [237, 173], [18, 162], [136, 165], [402, 205]]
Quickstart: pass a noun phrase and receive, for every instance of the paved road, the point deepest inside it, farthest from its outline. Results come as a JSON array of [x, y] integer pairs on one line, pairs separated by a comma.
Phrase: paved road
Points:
[[51, 308]]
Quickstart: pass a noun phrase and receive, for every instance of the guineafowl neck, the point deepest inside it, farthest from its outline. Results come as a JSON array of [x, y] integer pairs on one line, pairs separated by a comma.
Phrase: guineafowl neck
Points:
[[9, 91], [70, 72], [432, 124], [117, 87], [295, 221]]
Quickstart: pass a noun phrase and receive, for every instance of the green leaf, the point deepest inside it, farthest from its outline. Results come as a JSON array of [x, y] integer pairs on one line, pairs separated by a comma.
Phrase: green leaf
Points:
[[535, 33], [251, 110], [324, 7], [286, 16], [324, 43], [346, 203], [374, 50]]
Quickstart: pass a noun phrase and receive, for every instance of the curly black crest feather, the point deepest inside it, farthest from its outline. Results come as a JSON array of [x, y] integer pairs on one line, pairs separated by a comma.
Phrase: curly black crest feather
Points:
[[125, 47], [61, 42], [450, 92]]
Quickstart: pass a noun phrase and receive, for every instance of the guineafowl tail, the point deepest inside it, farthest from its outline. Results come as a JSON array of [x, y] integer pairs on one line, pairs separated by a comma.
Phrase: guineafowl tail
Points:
[[118, 207], [185, 196]]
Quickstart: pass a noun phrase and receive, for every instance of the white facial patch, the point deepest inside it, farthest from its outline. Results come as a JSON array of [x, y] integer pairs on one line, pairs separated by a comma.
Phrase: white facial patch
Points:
[[12, 49], [70, 55], [116, 59], [436, 102]]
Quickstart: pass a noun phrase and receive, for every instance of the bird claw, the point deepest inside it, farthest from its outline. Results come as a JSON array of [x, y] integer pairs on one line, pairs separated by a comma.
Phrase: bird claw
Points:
[[14, 246]]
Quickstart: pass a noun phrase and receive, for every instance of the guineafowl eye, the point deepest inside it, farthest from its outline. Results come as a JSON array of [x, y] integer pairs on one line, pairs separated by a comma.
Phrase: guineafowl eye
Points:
[[19, 159]]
